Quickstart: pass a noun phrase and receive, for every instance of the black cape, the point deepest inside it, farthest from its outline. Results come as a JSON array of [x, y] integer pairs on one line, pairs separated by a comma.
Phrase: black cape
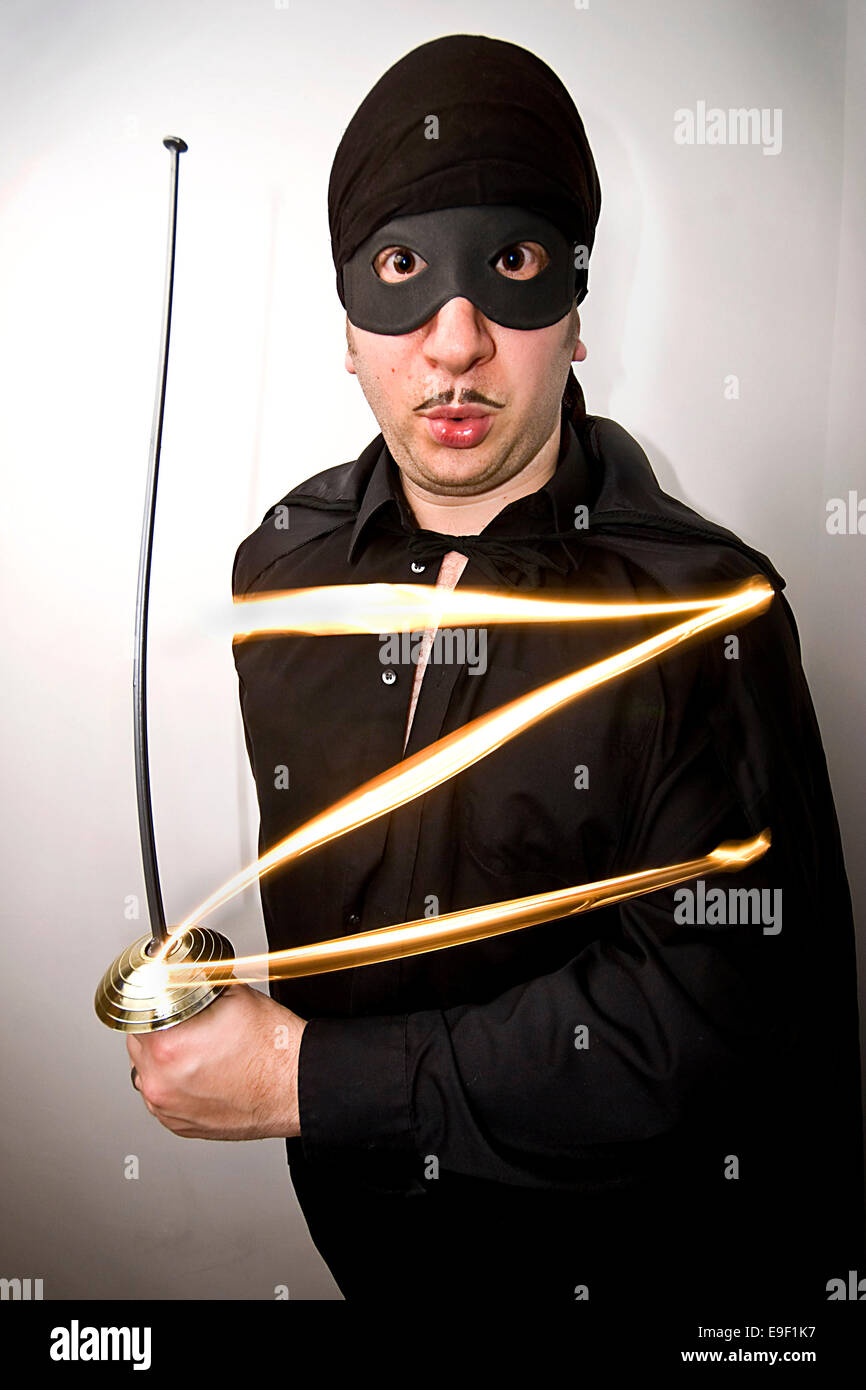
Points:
[[707, 1133]]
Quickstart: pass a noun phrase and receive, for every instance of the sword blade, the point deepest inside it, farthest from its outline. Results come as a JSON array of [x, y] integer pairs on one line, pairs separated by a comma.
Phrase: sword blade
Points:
[[156, 910]]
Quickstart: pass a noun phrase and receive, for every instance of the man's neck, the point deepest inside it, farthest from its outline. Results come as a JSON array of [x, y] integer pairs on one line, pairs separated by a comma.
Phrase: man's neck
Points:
[[467, 516]]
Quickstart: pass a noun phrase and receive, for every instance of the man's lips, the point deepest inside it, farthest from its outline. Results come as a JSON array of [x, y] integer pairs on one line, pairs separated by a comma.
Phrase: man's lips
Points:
[[459, 426]]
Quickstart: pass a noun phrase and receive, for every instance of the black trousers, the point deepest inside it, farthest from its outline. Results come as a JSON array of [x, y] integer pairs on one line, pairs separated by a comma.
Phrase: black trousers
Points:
[[440, 1244], [457, 1240]]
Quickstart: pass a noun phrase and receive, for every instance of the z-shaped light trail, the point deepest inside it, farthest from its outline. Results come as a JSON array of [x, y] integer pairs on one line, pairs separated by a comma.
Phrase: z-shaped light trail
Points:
[[452, 754]]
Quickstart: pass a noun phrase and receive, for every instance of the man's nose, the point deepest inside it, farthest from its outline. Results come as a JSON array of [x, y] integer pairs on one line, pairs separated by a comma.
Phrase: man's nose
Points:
[[457, 336]]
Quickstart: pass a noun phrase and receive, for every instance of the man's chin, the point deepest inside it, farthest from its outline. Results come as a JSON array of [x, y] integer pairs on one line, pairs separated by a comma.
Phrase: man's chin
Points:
[[454, 471]]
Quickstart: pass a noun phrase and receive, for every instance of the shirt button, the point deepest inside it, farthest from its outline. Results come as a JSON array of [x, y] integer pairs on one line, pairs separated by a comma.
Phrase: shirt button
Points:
[[353, 920], [389, 677], [416, 568]]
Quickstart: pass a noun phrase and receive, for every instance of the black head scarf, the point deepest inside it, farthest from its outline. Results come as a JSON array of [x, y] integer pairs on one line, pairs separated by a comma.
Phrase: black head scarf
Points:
[[508, 132]]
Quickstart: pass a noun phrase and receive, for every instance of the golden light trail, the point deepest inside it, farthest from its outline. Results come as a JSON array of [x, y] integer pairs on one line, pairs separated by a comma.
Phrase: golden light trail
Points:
[[452, 754], [456, 928], [343, 609]]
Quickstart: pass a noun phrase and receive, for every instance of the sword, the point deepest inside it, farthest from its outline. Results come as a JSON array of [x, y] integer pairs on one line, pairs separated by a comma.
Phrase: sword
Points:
[[132, 996], [155, 908]]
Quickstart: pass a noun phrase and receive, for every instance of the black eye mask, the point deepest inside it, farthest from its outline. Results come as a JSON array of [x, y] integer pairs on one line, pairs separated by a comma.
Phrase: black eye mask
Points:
[[461, 247]]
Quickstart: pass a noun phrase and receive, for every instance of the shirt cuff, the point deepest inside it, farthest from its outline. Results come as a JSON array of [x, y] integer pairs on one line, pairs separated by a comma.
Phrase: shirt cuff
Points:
[[352, 1086]]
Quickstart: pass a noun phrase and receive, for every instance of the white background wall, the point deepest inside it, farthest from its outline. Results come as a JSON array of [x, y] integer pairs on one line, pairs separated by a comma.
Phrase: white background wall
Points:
[[708, 261]]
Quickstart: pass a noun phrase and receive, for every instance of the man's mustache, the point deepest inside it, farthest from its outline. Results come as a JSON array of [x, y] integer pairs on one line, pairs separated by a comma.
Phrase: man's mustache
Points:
[[468, 397]]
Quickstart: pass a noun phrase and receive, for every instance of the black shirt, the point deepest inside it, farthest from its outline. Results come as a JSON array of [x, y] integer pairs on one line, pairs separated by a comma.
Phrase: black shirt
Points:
[[701, 1041]]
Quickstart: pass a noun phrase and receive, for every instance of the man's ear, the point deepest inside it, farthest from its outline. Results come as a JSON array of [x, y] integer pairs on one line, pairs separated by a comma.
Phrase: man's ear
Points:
[[349, 360], [578, 351]]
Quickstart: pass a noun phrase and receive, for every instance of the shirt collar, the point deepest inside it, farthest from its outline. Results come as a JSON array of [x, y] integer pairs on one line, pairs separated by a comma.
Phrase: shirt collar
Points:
[[551, 507]]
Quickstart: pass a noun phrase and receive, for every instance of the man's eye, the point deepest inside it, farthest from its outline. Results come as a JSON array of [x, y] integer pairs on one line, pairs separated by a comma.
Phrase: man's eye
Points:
[[397, 263], [522, 261]]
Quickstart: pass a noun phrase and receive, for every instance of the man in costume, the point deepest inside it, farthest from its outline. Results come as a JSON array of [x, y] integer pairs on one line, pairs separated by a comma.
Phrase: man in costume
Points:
[[658, 1100]]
